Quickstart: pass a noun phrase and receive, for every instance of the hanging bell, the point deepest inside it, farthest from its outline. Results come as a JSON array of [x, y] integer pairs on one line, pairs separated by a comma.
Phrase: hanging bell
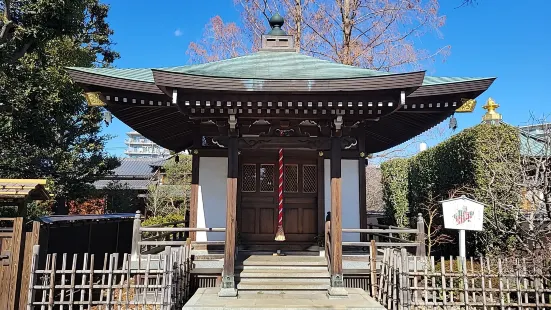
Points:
[[107, 117], [453, 123]]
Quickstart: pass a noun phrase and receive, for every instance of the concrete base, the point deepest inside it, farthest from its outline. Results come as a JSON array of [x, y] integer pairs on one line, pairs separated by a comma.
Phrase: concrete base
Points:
[[337, 292], [227, 293], [207, 298]]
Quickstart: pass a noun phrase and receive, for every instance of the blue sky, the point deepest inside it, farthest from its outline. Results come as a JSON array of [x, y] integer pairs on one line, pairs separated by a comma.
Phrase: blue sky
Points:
[[508, 39]]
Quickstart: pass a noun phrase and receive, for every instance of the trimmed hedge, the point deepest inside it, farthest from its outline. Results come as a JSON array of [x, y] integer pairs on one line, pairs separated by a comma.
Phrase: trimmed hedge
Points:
[[395, 190], [467, 162]]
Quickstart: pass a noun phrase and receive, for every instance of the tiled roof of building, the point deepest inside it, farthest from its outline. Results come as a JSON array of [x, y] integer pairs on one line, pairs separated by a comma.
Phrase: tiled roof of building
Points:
[[134, 173], [266, 65], [138, 167]]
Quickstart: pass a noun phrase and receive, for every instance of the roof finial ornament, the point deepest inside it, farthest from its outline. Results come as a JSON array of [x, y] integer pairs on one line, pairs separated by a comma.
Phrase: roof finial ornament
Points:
[[491, 116], [276, 22]]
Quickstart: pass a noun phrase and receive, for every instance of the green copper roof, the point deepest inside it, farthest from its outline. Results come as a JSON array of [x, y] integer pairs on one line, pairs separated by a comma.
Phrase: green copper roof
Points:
[[265, 65], [533, 146], [276, 65]]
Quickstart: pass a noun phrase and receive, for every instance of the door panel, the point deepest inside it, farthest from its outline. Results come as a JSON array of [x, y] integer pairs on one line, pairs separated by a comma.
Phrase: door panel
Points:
[[258, 207], [248, 226], [267, 221]]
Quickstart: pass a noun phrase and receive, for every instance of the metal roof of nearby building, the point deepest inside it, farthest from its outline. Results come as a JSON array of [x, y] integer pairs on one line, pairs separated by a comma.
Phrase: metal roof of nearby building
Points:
[[533, 146], [59, 219], [130, 184], [266, 65]]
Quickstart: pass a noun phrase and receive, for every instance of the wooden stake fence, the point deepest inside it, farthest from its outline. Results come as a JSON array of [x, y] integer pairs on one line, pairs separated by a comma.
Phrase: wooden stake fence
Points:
[[410, 282], [160, 281]]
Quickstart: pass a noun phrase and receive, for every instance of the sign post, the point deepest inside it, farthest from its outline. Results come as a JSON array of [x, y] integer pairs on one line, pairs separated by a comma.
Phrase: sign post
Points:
[[463, 214]]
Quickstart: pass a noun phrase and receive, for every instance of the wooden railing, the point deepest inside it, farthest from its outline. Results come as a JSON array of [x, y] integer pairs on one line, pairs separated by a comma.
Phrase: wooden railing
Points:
[[152, 239], [387, 236]]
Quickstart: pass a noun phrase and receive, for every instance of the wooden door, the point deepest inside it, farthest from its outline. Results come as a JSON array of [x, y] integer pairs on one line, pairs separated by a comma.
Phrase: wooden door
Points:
[[258, 207]]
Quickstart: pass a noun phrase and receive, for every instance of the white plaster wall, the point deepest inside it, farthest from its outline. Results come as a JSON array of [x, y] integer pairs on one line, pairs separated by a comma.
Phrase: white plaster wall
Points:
[[350, 195], [211, 206]]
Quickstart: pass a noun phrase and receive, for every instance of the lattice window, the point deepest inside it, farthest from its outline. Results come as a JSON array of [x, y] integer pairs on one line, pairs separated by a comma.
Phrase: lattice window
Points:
[[248, 183], [267, 178], [290, 177], [309, 179]]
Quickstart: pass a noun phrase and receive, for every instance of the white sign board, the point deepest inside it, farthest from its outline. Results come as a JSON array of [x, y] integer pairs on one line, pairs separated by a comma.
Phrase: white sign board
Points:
[[463, 213]]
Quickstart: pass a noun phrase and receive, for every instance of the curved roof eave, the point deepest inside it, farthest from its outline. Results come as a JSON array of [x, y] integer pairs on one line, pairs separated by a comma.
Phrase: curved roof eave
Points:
[[100, 80], [410, 81]]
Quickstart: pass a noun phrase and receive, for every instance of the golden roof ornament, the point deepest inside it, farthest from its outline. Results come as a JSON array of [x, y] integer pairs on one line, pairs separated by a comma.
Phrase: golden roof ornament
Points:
[[467, 106], [491, 116], [94, 99]]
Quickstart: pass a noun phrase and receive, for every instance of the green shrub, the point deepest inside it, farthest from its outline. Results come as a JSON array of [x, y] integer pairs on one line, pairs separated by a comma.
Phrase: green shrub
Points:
[[480, 162], [395, 190], [159, 220]]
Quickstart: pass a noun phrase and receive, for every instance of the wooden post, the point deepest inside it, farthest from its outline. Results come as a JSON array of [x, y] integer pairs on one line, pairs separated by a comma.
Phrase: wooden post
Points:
[[17, 247], [31, 240], [194, 199], [228, 280], [421, 250], [373, 267], [362, 190], [404, 280], [337, 283], [136, 236], [32, 278]]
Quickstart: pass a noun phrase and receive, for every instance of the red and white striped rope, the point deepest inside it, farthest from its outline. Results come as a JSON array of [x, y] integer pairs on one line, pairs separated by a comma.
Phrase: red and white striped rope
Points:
[[280, 206]]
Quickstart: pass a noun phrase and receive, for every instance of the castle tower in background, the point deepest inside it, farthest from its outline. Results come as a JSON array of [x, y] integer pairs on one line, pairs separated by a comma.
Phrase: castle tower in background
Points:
[[141, 147]]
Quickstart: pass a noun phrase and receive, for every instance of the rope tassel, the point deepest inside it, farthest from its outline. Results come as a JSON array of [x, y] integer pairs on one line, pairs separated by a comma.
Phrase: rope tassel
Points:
[[280, 234]]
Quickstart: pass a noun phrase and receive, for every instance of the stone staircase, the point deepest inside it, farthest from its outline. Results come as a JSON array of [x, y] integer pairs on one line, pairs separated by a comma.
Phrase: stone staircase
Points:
[[267, 273]]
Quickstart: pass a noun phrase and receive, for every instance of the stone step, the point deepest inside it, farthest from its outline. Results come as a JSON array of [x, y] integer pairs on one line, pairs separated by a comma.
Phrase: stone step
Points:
[[297, 286], [283, 261], [267, 273], [321, 268], [283, 281]]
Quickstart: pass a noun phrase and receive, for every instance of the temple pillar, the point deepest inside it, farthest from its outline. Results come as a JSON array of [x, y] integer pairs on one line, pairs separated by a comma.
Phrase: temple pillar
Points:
[[362, 178], [228, 279], [337, 284], [194, 195]]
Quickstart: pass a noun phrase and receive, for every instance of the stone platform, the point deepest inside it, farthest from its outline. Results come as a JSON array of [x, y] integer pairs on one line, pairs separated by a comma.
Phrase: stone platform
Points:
[[207, 299]]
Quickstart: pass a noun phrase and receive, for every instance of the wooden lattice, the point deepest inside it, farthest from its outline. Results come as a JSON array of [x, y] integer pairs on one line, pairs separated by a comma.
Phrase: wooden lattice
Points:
[[267, 178], [248, 184], [309, 179], [290, 177]]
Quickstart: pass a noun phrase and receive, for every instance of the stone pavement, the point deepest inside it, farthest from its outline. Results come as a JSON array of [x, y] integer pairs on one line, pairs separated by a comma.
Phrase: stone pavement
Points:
[[207, 299]]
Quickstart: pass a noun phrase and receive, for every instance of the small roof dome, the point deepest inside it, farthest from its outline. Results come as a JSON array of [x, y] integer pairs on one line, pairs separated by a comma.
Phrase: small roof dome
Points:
[[276, 22]]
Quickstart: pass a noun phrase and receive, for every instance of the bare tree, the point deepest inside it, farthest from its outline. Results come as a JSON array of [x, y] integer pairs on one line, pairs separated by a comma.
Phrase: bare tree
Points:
[[366, 33], [374, 189], [434, 221]]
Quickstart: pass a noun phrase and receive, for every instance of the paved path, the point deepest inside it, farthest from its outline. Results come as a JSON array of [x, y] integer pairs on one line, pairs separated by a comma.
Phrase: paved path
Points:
[[207, 299]]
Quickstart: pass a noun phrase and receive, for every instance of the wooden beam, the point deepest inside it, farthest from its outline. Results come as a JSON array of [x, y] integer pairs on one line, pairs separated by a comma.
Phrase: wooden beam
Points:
[[194, 199], [228, 279]]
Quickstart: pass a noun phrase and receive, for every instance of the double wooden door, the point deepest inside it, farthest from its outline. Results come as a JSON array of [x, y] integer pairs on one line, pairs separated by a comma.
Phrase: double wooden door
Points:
[[258, 207]]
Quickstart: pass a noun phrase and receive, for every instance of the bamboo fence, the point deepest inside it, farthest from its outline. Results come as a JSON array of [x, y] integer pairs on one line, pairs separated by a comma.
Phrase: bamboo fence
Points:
[[159, 281], [412, 282]]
